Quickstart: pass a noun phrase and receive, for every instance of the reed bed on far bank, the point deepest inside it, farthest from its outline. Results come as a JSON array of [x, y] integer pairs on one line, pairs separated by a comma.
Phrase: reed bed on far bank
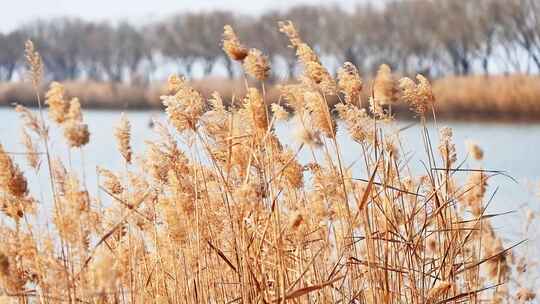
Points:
[[220, 211], [504, 97], [494, 97]]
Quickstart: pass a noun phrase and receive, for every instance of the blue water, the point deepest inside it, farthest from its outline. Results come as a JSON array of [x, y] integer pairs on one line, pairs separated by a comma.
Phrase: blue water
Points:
[[508, 147]]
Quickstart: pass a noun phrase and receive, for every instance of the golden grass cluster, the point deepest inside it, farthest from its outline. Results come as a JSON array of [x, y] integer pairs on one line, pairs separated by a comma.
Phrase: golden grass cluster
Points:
[[233, 215]]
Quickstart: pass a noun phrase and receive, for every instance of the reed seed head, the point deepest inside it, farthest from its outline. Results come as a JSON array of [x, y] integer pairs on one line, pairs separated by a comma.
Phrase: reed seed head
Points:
[[350, 83], [288, 28], [419, 96], [76, 133], [384, 87], [474, 150], [34, 62], [447, 149], [279, 112], [185, 107], [122, 133], [256, 108], [12, 180], [58, 105], [32, 154], [320, 114], [74, 111], [112, 182], [31, 121], [256, 65], [525, 295], [232, 46]]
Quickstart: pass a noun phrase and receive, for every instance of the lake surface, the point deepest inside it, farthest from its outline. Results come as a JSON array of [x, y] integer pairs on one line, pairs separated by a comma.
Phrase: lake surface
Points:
[[513, 148]]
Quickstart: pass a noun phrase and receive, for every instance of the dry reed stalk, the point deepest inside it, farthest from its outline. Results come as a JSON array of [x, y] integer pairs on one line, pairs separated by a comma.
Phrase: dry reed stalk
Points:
[[237, 216]]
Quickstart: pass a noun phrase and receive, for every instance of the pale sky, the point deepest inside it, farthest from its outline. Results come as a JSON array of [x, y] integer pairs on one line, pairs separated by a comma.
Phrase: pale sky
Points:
[[16, 12]]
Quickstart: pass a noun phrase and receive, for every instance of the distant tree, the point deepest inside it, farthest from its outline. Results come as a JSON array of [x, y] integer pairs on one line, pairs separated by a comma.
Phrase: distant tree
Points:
[[190, 37], [371, 38], [411, 36], [103, 55], [263, 33], [454, 31], [151, 40], [131, 48], [112, 53], [341, 36], [209, 28], [522, 20], [173, 43], [308, 21], [11, 50], [433, 37], [61, 42]]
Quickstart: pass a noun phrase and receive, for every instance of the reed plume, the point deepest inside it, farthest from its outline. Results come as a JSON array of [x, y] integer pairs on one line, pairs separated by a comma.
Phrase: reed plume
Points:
[[256, 109], [12, 181], [321, 117], [31, 121], [185, 106], [31, 152], [288, 28], [418, 96], [76, 133], [232, 46], [15, 201], [256, 65], [384, 86], [474, 150], [350, 83], [122, 133], [112, 182], [67, 114], [254, 62], [35, 64], [315, 74], [58, 105], [279, 112]]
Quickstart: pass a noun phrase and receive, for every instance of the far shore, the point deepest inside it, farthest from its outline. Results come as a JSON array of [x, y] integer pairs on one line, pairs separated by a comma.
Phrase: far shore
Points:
[[480, 98]]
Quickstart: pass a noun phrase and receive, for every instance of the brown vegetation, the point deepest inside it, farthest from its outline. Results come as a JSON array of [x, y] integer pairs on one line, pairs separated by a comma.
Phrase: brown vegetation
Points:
[[233, 215], [513, 97], [506, 97]]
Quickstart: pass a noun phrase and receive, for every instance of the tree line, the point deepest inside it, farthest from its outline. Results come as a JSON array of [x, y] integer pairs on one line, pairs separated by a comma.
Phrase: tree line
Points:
[[437, 38]]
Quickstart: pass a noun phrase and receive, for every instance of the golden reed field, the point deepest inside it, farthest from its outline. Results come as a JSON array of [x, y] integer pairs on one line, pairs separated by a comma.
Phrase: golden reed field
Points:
[[220, 211]]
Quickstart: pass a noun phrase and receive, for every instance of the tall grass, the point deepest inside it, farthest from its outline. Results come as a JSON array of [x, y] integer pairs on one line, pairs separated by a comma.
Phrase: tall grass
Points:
[[219, 210]]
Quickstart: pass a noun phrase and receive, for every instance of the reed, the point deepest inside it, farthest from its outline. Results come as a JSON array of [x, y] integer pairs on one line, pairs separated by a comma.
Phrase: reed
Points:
[[235, 216]]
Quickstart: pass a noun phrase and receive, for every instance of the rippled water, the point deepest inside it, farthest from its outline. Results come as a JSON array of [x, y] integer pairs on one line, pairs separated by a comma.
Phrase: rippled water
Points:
[[513, 148]]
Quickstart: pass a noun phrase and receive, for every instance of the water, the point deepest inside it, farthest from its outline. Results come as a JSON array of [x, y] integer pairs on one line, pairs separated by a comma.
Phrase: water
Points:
[[508, 147]]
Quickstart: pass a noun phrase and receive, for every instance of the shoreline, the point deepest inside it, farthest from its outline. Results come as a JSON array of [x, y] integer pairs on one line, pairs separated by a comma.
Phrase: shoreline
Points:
[[503, 98], [481, 119]]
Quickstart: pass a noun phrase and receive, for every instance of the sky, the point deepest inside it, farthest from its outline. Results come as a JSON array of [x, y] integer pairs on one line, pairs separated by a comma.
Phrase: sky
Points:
[[17, 12]]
